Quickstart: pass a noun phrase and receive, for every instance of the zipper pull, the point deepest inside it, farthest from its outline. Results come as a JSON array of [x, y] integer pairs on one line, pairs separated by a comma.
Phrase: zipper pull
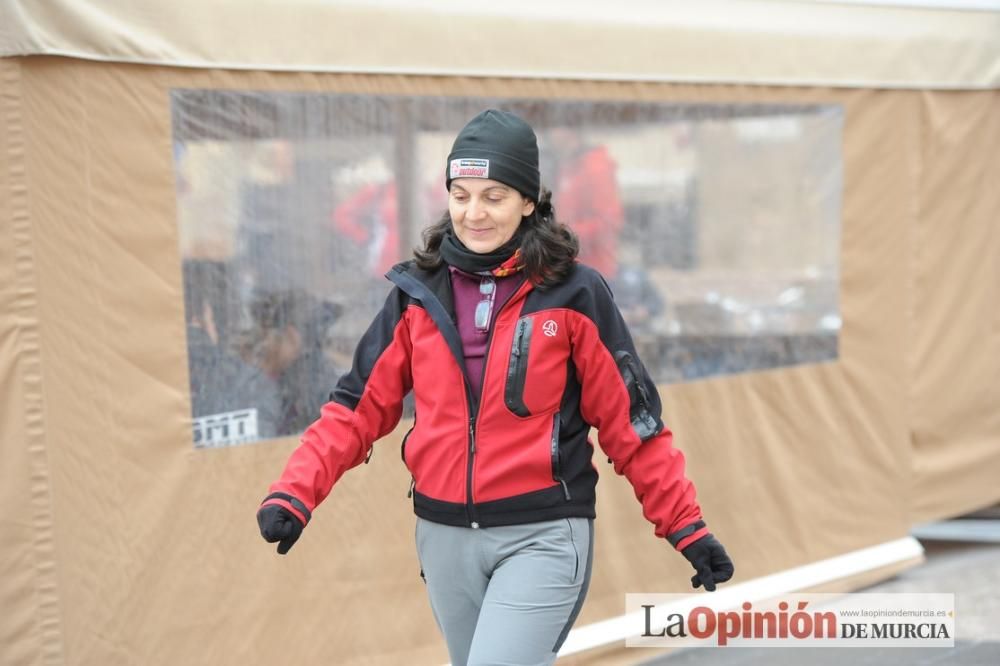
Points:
[[472, 436], [413, 484]]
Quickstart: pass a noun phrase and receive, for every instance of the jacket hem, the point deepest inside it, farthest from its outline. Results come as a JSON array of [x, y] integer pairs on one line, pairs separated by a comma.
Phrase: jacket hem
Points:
[[504, 512]]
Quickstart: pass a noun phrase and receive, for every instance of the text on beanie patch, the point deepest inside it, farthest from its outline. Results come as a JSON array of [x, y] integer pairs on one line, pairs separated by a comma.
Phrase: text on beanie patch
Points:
[[469, 168]]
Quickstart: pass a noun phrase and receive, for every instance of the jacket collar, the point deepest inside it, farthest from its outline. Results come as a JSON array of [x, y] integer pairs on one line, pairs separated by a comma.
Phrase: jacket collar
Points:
[[437, 281]]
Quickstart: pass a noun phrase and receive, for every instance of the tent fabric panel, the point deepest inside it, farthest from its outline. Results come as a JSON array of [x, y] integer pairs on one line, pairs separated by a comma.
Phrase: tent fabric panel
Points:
[[955, 354], [793, 43]]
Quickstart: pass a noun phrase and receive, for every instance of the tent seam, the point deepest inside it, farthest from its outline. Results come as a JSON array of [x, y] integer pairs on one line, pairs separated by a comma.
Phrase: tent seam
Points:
[[762, 81], [25, 308]]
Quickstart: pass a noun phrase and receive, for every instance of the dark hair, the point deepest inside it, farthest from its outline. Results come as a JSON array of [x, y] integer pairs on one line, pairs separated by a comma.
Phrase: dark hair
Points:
[[548, 247], [312, 317]]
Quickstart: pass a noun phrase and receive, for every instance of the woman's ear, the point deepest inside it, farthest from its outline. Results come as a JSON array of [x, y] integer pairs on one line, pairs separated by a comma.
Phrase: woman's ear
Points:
[[529, 207]]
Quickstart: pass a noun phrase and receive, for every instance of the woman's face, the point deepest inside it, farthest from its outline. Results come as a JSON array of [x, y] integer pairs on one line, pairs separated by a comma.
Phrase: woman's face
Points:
[[485, 213]]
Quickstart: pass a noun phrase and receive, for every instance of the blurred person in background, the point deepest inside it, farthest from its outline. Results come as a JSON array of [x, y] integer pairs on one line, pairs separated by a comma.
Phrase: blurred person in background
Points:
[[636, 295], [287, 344], [221, 383], [586, 196], [368, 218], [513, 351]]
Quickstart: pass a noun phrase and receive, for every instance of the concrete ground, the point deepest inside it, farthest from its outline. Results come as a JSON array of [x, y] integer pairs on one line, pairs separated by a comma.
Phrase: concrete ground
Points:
[[970, 570]]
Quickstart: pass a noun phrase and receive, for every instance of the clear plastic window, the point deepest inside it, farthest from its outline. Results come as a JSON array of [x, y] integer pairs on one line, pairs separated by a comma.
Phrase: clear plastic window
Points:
[[717, 226]]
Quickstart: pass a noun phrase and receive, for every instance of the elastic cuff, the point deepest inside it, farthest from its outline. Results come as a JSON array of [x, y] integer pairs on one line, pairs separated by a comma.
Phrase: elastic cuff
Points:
[[688, 540], [675, 538], [294, 504]]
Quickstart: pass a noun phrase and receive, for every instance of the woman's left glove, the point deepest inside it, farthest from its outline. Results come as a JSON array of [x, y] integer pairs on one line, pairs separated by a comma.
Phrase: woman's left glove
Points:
[[710, 560]]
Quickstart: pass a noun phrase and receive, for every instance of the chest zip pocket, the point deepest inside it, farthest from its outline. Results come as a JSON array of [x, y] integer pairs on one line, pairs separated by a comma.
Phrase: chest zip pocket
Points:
[[517, 368], [556, 461]]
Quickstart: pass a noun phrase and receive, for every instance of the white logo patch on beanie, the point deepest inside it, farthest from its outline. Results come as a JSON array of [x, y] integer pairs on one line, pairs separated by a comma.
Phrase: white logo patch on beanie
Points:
[[469, 168]]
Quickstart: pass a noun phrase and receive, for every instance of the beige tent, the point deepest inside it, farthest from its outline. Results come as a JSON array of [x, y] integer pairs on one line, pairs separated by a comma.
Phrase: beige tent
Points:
[[126, 544]]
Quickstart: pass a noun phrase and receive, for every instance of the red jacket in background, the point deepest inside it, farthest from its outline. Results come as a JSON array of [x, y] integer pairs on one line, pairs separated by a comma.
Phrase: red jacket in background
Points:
[[587, 201], [370, 218]]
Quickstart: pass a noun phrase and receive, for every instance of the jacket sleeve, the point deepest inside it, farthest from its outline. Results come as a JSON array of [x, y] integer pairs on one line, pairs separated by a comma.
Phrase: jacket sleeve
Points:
[[620, 399], [365, 405]]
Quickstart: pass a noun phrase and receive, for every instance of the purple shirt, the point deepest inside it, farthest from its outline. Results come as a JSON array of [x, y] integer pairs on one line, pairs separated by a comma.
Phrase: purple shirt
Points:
[[465, 287]]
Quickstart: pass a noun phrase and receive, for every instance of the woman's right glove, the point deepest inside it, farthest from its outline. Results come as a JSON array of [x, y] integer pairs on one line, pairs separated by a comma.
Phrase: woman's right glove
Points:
[[278, 524], [710, 560]]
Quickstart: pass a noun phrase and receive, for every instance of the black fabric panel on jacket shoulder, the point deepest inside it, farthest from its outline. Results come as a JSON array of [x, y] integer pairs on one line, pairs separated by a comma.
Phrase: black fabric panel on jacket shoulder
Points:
[[438, 281]]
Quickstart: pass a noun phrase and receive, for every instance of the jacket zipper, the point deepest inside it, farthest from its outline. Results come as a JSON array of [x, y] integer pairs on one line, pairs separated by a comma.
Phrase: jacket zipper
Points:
[[556, 462], [474, 413], [470, 511], [517, 368], [473, 404], [402, 447], [402, 454]]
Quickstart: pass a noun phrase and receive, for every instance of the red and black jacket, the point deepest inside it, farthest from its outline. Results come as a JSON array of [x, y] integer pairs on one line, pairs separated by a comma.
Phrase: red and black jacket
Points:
[[559, 361]]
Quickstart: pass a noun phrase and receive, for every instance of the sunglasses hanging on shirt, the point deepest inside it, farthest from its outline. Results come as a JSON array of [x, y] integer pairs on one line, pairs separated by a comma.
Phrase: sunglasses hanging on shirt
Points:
[[484, 309]]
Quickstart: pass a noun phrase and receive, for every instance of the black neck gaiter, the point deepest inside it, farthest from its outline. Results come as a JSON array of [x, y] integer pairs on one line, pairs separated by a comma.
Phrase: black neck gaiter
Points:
[[456, 254]]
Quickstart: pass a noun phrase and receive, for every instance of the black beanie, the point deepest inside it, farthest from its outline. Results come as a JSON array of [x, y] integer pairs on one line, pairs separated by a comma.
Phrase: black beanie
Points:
[[497, 145]]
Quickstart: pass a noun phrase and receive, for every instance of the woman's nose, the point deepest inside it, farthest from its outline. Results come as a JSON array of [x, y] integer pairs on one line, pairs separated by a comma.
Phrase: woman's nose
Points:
[[475, 209]]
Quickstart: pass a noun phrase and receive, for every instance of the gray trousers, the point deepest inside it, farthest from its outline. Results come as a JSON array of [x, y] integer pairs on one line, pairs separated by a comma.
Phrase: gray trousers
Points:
[[506, 595]]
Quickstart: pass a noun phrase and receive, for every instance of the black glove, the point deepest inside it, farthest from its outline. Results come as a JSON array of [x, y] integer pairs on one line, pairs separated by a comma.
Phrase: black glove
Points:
[[279, 524], [710, 560]]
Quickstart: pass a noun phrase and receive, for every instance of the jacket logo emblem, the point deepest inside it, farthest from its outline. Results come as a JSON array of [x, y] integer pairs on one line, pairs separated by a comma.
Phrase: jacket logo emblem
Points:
[[549, 328]]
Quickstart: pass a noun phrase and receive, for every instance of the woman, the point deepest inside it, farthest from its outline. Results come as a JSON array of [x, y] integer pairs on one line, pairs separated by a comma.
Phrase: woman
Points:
[[513, 352]]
